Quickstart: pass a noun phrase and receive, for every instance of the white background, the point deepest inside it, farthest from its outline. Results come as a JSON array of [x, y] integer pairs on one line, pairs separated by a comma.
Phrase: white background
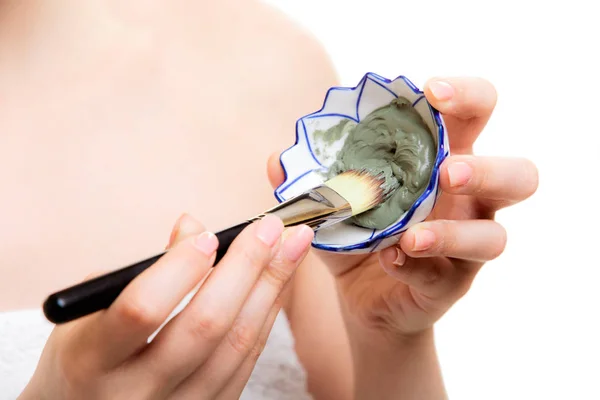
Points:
[[529, 328]]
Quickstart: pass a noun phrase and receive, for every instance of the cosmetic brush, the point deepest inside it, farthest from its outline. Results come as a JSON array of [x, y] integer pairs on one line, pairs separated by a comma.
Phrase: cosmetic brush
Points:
[[343, 196]]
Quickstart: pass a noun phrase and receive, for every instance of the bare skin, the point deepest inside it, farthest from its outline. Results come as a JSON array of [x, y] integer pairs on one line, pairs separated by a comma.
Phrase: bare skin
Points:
[[117, 117], [391, 301]]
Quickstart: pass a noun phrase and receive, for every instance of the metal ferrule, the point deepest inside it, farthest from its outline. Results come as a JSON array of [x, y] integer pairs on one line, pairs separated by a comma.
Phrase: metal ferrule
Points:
[[317, 208]]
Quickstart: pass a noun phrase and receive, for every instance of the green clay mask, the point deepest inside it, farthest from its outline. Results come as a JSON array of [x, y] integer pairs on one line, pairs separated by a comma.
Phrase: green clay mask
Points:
[[393, 141]]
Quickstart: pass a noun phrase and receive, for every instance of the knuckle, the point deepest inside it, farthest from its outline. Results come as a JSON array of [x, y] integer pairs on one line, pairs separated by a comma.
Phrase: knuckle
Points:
[[482, 181], [275, 277], [208, 327], [136, 312], [255, 254], [241, 339], [446, 234], [257, 349]]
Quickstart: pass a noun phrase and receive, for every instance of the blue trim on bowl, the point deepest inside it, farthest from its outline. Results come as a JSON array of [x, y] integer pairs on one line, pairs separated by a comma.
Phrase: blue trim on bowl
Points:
[[339, 248], [376, 244], [377, 76], [374, 240], [332, 89], [418, 100], [285, 174], [298, 121], [362, 89], [309, 146], [286, 187], [383, 86]]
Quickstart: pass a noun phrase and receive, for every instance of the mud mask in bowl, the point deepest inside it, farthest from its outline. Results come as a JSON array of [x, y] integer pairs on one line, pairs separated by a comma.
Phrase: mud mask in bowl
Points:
[[386, 127]]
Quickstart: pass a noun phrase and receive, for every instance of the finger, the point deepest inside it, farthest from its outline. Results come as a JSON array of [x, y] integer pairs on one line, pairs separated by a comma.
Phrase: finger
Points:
[[244, 334], [275, 170], [110, 337], [466, 104], [184, 227], [429, 279], [497, 181], [188, 340], [239, 381], [473, 240]]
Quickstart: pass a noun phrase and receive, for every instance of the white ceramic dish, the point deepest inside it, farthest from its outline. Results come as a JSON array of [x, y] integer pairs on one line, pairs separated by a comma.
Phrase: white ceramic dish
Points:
[[303, 166]]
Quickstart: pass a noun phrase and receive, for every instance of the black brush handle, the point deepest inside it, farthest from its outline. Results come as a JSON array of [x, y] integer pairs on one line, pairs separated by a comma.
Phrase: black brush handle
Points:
[[99, 293]]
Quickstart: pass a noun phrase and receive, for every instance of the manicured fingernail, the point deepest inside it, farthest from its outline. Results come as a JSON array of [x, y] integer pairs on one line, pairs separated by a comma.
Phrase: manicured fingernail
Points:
[[295, 244], [400, 258], [459, 173], [269, 230], [206, 242], [441, 90], [424, 239]]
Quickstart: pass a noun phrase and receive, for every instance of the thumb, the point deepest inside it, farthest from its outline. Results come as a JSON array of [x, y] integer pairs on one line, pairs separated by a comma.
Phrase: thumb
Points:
[[185, 227], [275, 171]]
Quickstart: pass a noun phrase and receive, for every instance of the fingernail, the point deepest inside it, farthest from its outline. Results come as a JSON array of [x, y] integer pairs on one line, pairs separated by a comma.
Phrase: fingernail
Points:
[[400, 258], [424, 239], [295, 244], [441, 90], [206, 242], [269, 230], [459, 173], [172, 238], [175, 231]]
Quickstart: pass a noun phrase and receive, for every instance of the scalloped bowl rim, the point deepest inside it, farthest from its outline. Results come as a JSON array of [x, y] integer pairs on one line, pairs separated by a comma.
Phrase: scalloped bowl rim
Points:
[[433, 180]]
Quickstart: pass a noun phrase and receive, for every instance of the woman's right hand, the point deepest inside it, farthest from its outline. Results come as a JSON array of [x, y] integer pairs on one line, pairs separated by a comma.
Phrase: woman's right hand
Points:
[[207, 351]]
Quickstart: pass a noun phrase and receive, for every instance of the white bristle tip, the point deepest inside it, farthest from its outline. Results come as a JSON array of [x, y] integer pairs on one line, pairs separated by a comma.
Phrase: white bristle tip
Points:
[[361, 189]]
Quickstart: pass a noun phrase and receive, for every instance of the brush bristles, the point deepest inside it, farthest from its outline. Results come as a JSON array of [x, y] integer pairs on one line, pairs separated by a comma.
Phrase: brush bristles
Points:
[[361, 189]]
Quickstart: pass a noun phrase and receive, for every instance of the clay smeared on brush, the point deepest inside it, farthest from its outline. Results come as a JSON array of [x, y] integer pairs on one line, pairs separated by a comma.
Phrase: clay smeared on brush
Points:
[[393, 141]]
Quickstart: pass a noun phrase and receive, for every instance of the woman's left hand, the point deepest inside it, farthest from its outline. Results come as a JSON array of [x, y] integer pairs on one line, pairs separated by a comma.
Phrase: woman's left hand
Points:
[[405, 289]]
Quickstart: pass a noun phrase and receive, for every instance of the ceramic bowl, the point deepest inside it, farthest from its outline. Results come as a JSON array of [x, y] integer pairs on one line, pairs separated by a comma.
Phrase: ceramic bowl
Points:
[[304, 164]]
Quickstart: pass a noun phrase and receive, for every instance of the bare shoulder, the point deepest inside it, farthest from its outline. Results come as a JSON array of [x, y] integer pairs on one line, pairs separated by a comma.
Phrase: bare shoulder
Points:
[[197, 96], [284, 72], [299, 67], [300, 46]]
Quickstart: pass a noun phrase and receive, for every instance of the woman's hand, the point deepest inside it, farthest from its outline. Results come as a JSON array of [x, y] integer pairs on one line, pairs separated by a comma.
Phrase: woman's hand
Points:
[[207, 351], [394, 297]]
